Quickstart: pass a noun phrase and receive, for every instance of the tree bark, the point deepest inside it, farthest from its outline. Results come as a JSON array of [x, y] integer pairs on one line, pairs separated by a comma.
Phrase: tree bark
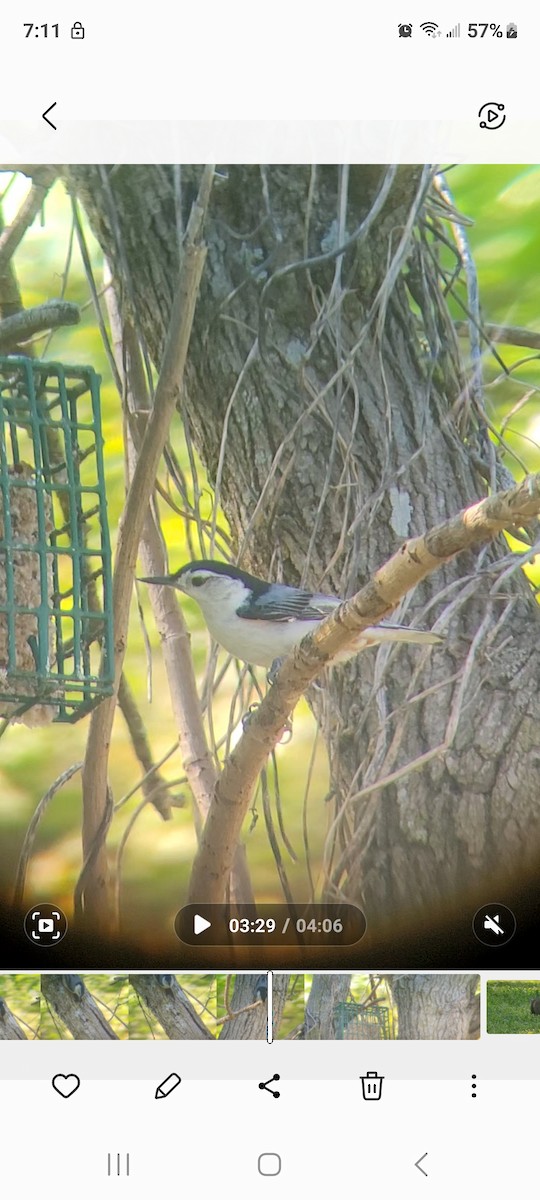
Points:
[[170, 1006], [81, 1015], [10, 1030], [337, 420], [326, 992], [435, 1007], [250, 1023]]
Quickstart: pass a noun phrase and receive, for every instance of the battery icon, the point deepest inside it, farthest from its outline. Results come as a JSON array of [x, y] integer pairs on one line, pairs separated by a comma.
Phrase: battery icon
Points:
[[511, 30], [372, 1085]]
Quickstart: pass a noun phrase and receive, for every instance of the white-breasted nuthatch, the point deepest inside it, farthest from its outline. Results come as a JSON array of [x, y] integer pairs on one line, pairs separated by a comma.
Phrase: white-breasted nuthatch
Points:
[[261, 988], [75, 985], [260, 622]]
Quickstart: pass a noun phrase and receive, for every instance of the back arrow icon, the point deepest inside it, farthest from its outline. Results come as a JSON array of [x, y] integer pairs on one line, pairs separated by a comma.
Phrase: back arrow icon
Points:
[[45, 117], [417, 1164]]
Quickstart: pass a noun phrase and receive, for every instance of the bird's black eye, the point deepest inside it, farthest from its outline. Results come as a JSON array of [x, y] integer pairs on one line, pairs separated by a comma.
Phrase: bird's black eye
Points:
[[198, 580]]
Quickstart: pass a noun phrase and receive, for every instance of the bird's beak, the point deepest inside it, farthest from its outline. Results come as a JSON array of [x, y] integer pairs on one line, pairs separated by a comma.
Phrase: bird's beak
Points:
[[167, 580]]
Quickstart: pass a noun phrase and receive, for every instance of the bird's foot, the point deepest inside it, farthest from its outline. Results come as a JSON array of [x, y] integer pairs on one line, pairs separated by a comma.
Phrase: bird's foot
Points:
[[273, 670], [247, 717], [286, 733]]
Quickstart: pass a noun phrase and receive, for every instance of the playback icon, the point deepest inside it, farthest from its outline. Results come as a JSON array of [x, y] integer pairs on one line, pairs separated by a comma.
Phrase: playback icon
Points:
[[202, 923]]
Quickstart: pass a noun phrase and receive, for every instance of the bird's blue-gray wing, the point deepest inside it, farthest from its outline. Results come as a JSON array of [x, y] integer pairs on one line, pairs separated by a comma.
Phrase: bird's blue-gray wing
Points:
[[283, 603]]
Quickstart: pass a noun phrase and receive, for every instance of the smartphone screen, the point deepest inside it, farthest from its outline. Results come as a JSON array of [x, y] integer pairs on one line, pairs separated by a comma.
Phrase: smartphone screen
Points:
[[269, 500]]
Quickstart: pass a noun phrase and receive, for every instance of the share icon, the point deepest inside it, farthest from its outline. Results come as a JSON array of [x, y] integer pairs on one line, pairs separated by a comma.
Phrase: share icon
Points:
[[264, 1087]]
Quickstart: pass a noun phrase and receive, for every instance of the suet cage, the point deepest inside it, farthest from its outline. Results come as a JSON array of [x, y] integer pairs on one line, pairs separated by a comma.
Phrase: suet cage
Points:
[[355, 1021], [56, 633]]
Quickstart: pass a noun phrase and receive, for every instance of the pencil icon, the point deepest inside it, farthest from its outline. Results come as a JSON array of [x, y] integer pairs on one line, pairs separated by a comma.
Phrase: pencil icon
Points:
[[167, 1086]]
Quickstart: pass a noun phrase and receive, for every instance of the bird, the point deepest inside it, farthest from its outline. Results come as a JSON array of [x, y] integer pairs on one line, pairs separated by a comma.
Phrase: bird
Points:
[[75, 985], [261, 988], [261, 622], [165, 981]]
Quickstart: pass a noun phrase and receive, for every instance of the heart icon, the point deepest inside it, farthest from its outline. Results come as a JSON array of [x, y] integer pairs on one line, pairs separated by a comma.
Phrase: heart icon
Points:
[[66, 1085]]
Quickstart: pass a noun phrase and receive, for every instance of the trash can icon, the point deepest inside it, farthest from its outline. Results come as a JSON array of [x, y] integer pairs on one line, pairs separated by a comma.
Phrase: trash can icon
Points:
[[372, 1085]]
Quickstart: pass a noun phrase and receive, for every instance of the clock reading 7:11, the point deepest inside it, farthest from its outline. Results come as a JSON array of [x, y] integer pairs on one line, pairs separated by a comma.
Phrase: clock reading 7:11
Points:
[[41, 30]]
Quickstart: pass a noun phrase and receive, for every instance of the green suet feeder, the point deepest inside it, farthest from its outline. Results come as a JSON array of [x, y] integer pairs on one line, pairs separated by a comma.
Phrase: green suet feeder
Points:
[[354, 1021], [56, 633]]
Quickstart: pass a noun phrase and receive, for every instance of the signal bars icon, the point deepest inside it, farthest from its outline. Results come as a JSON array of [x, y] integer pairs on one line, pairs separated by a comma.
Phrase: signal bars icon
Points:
[[454, 32]]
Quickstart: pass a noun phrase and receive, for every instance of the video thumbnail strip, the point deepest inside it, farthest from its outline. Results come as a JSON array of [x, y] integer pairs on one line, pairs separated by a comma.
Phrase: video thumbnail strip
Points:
[[256, 1007]]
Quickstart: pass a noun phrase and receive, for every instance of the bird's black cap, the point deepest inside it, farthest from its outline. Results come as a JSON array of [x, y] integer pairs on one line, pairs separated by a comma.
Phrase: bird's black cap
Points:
[[257, 586]]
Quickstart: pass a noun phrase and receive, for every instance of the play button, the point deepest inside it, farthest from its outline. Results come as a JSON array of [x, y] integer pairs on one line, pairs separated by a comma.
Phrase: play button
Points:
[[200, 924], [492, 116]]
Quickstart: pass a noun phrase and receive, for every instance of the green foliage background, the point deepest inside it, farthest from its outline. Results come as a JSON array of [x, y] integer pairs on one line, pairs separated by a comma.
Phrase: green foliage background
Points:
[[504, 202], [22, 995]]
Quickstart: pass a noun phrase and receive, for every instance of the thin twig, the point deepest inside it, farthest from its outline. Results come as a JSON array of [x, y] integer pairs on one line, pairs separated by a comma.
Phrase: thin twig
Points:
[[87, 263], [508, 335], [138, 498], [30, 835], [13, 234]]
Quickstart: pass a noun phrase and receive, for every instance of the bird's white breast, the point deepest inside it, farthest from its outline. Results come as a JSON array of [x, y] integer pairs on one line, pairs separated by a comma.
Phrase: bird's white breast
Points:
[[257, 642]]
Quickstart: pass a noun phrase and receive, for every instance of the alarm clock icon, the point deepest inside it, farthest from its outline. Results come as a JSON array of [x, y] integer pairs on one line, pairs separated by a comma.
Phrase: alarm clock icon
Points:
[[405, 30]]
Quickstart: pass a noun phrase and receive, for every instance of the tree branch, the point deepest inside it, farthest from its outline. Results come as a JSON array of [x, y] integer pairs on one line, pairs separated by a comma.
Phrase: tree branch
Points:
[[10, 1029], [249, 1020], [13, 234], [196, 758], [169, 619], [415, 559], [97, 900], [155, 788], [511, 335], [23, 325]]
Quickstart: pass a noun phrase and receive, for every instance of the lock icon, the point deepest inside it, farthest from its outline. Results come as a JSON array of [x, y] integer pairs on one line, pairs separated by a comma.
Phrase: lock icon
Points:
[[77, 30]]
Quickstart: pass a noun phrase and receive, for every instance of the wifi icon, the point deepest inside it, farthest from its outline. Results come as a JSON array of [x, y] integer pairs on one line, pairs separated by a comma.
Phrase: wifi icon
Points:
[[431, 28]]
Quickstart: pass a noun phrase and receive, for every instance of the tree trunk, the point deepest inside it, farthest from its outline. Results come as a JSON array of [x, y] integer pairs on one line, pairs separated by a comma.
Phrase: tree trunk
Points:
[[327, 991], [80, 1014], [168, 1003], [348, 426], [251, 1022], [10, 1030], [435, 1007]]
